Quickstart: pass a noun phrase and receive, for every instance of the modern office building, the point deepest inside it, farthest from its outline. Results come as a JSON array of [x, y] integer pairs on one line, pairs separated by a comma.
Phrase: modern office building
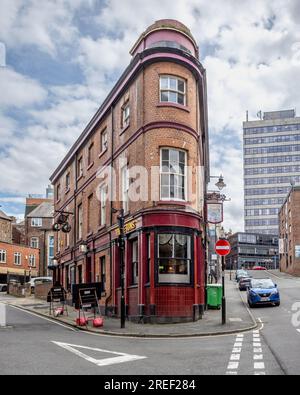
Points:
[[250, 249], [271, 165]]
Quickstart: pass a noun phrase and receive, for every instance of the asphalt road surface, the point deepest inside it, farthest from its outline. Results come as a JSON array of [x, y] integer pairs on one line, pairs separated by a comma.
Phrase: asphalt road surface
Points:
[[33, 345]]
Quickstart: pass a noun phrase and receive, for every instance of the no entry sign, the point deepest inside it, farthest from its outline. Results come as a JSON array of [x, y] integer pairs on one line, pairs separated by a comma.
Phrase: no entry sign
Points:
[[223, 247]]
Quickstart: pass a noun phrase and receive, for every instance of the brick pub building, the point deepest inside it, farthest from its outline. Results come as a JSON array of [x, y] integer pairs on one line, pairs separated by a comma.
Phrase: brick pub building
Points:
[[155, 117]]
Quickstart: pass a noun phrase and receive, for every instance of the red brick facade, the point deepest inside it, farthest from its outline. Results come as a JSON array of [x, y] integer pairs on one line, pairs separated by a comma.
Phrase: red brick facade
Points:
[[289, 229], [15, 267], [154, 125]]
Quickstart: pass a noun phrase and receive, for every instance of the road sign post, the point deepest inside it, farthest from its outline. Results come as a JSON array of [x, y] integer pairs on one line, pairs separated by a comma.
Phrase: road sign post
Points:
[[223, 249]]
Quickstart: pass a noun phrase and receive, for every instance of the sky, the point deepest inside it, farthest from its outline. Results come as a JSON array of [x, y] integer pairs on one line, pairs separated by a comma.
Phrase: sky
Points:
[[60, 58]]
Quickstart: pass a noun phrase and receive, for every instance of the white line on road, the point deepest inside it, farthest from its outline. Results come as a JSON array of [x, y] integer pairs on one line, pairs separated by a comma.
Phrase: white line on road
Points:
[[44, 318], [234, 363], [258, 355], [119, 358]]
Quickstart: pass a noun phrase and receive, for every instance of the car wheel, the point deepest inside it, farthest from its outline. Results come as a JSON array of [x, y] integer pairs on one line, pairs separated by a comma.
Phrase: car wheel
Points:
[[250, 305], [277, 304]]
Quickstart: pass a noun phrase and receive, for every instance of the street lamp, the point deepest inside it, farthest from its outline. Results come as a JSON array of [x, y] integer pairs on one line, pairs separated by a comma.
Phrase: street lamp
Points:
[[121, 244]]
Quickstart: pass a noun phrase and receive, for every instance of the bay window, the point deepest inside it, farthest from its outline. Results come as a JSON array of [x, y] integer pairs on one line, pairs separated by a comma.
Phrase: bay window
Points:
[[172, 90], [174, 258], [173, 174]]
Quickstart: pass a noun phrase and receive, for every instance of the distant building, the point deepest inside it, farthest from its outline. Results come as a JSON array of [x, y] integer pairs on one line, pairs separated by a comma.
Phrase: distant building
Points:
[[289, 222], [250, 249], [271, 163], [5, 228], [38, 230], [16, 260], [18, 232]]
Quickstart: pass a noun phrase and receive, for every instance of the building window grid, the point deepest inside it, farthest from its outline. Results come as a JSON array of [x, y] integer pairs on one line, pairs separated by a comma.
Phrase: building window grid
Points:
[[68, 181], [272, 170], [271, 159], [126, 115], [272, 139], [267, 191], [264, 202], [91, 154], [272, 149], [271, 180], [272, 129], [172, 90]]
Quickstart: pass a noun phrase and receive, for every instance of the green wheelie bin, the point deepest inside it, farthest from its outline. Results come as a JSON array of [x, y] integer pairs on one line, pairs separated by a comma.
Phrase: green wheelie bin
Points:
[[214, 296]]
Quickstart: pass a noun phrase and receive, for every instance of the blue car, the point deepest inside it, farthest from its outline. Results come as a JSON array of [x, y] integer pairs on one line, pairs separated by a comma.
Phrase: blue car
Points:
[[263, 292]]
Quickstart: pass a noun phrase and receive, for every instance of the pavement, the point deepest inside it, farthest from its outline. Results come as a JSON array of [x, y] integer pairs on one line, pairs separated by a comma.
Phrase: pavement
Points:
[[239, 319], [34, 344]]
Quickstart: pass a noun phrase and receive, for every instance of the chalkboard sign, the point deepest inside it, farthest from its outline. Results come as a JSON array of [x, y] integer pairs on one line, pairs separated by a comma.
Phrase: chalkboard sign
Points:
[[56, 294], [86, 295]]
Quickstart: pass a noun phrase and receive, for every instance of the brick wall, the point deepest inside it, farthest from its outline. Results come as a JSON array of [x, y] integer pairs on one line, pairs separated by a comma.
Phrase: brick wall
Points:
[[5, 230], [25, 252]]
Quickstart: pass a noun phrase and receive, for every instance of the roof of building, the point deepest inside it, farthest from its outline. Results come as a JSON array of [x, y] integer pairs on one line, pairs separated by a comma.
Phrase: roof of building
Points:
[[4, 216], [44, 210]]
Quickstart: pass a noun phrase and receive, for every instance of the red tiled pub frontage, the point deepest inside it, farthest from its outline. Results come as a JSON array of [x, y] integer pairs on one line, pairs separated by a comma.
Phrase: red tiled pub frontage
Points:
[[156, 118]]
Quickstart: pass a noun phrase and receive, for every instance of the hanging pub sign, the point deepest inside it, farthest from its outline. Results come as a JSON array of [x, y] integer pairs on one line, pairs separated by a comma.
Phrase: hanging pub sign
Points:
[[214, 213]]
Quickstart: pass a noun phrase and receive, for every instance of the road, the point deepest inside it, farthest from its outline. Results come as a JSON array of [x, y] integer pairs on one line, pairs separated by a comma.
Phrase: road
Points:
[[33, 345]]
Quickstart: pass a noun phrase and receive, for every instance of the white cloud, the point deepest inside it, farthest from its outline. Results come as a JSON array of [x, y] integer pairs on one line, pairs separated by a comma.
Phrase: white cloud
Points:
[[253, 64], [18, 90]]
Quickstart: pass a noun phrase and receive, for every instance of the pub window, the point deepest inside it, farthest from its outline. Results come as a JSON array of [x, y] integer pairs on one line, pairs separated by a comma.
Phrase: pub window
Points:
[[135, 262], [174, 258]]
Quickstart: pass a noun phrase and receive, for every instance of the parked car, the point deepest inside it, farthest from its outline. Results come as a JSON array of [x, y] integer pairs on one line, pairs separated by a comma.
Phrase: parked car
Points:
[[241, 274], [3, 288], [259, 268], [244, 283], [263, 292], [39, 280]]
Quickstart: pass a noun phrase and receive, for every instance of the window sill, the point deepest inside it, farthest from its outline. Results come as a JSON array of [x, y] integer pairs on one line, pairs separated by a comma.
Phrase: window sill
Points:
[[134, 286], [174, 105], [102, 227], [90, 166], [90, 234], [173, 202], [102, 153], [67, 191], [57, 202], [124, 129], [79, 178]]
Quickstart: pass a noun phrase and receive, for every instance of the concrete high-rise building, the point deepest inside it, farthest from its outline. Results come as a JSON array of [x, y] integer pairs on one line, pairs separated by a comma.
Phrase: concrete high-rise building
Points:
[[271, 166]]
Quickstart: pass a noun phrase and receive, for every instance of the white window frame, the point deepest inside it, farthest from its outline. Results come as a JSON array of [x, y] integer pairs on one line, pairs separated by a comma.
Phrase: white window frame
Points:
[[104, 140], [169, 90], [80, 167], [103, 199], [18, 259], [37, 242], [68, 181], [125, 188], [32, 260], [80, 222], [3, 256], [126, 114], [163, 173], [36, 222]]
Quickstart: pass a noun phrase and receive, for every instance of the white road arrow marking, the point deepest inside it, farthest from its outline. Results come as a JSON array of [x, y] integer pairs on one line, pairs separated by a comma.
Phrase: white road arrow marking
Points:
[[119, 358]]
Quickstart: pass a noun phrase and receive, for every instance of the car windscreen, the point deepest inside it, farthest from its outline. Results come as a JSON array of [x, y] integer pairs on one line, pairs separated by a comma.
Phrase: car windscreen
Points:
[[262, 284]]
